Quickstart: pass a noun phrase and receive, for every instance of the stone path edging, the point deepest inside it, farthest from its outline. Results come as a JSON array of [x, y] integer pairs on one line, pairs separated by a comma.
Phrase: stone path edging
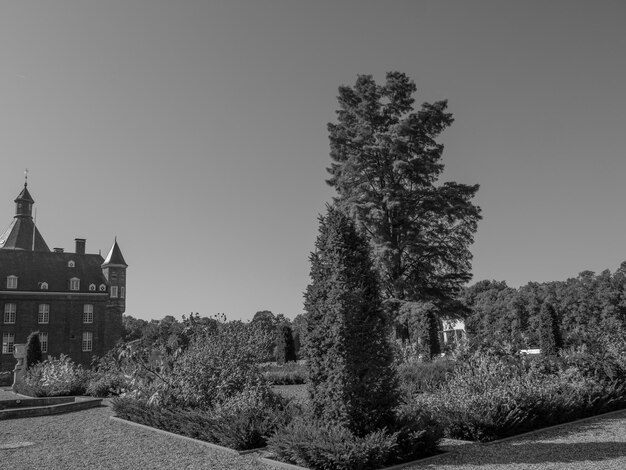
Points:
[[290, 466], [186, 438], [33, 411]]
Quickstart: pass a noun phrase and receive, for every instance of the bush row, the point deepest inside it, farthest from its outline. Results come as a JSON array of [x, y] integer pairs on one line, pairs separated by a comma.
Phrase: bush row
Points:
[[490, 397], [241, 422]]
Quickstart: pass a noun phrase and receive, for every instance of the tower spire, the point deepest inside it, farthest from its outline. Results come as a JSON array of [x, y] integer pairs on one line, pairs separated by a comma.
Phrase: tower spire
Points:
[[26, 177]]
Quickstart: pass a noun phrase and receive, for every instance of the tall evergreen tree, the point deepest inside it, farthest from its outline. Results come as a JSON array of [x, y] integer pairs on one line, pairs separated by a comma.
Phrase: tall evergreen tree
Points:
[[385, 165], [550, 333], [352, 380], [33, 349], [285, 347]]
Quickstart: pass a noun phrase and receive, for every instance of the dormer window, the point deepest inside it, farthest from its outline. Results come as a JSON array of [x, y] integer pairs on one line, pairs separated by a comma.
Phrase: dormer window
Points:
[[71, 264], [103, 288], [92, 287], [74, 284], [44, 286], [11, 282]]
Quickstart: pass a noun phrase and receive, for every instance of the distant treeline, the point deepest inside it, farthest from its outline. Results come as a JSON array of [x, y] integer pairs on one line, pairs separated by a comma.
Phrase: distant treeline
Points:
[[587, 306]]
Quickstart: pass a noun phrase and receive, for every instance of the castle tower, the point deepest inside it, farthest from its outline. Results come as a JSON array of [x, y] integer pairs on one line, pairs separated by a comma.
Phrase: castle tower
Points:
[[114, 270]]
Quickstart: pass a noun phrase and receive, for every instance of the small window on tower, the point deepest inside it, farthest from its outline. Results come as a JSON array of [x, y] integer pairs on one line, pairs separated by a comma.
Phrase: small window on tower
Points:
[[114, 292], [122, 292]]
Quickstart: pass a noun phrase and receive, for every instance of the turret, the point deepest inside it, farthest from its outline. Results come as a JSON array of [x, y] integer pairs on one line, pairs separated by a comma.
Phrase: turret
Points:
[[114, 270]]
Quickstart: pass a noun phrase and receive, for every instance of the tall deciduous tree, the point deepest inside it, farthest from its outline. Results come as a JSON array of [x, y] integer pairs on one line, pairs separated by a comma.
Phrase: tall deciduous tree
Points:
[[386, 161], [352, 380]]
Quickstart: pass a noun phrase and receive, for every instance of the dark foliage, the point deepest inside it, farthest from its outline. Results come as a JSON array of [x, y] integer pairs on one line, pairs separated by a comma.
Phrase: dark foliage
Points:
[[549, 332], [352, 380], [422, 377], [588, 306], [242, 423], [323, 445], [285, 347], [33, 349]]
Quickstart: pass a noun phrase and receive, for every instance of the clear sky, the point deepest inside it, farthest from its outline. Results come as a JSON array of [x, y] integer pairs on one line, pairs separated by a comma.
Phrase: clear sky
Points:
[[195, 132]]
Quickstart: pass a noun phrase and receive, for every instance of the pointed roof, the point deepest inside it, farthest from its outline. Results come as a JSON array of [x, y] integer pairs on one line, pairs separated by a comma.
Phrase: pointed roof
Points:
[[19, 236], [22, 234], [25, 196], [115, 258]]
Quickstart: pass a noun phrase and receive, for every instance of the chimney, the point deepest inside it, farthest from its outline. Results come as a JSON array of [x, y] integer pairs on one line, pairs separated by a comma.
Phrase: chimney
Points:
[[80, 246], [58, 250]]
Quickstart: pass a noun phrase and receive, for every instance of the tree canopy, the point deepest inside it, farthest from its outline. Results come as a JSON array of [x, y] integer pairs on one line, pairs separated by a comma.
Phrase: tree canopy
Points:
[[386, 162]]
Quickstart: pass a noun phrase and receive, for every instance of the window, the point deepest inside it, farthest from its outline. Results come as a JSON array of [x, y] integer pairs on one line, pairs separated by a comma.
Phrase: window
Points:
[[114, 292], [87, 341], [74, 283], [122, 292], [8, 340], [44, 314], [9, 313], [44, 286], [88, 313], [103, 288], [71, 264], [11, 282], [43, 339], [92, 287]]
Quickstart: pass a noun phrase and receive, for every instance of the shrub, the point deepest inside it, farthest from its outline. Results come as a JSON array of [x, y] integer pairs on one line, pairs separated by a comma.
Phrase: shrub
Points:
[[216, 362], [55, 377], [352, 380], [420, 377], [245, 420], [326, 445], [241, 422], [33, 349], [490, 397], [106, 384], [290, 373]]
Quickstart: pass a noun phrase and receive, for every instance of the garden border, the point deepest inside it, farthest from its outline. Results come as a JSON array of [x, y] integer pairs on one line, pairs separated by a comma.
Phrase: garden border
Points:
[[554, 426], [291, 466], [187, 438], [77, 404]]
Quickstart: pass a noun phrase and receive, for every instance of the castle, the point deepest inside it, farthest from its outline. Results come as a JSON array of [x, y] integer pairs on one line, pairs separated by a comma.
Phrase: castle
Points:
[[75, 300]]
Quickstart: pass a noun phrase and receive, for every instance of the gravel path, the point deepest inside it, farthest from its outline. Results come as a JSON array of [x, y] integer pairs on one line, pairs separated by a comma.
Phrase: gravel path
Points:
[[89, 439], [599, 443]]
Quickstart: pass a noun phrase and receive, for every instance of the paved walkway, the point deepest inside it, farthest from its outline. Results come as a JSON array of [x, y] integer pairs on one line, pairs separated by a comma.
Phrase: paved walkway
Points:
[[89, 439]]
